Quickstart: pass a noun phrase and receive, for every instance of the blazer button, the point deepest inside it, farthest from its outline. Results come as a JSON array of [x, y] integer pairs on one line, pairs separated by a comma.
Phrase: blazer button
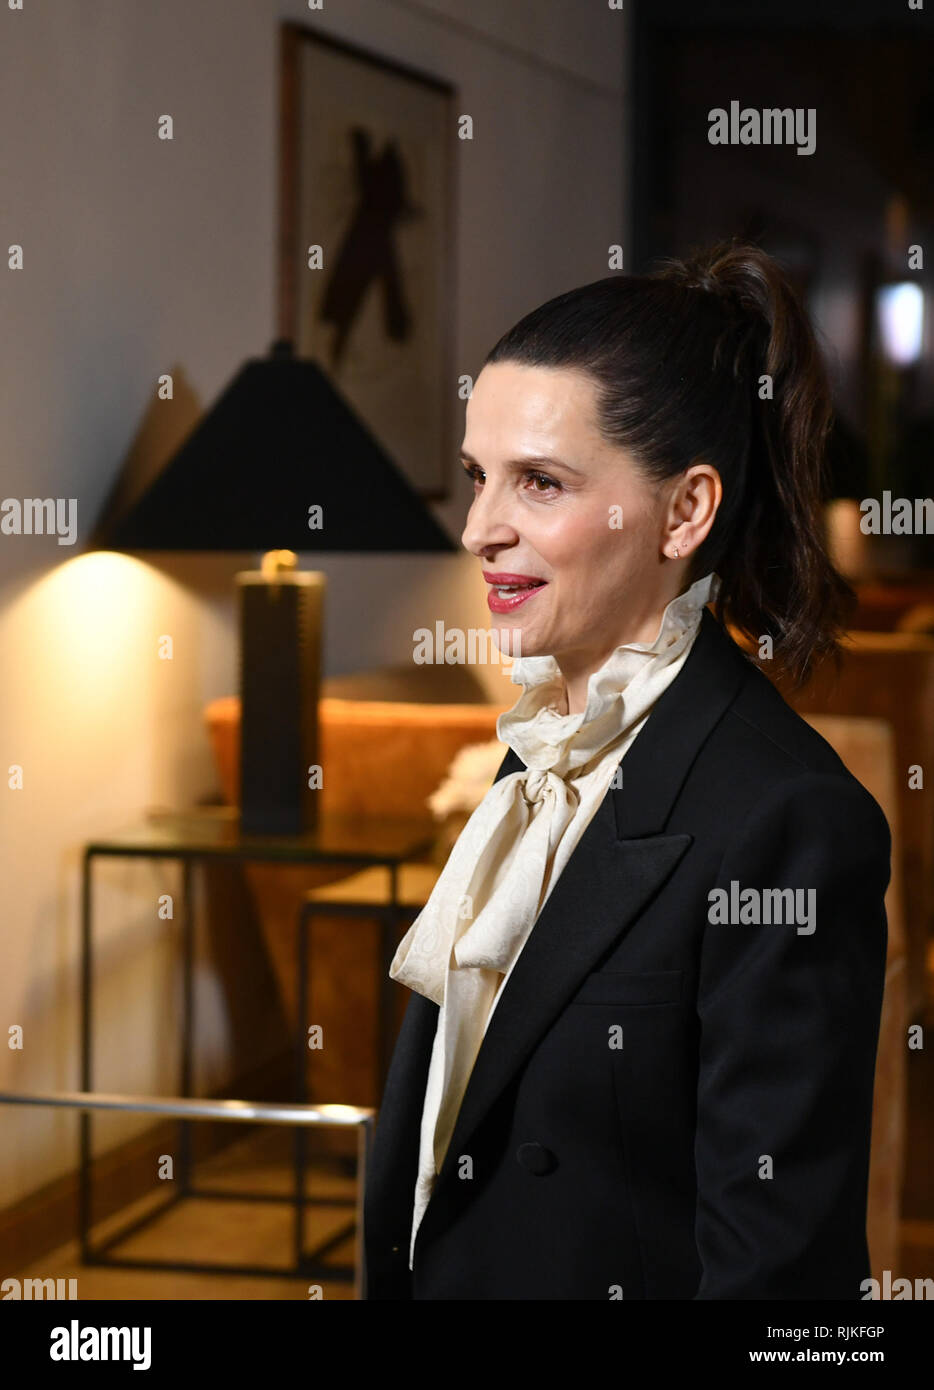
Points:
[[535, 1158]]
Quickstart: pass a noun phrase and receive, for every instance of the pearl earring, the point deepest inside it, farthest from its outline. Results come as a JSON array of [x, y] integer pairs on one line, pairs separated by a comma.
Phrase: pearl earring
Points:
[[676, 552]]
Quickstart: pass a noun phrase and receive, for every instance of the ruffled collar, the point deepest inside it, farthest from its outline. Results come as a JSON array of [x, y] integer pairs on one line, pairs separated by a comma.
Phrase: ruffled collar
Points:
[[544, 738]]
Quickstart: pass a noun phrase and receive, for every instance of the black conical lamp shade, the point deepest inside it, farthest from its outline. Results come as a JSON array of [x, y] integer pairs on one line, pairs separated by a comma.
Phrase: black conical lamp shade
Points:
[[278, 441]]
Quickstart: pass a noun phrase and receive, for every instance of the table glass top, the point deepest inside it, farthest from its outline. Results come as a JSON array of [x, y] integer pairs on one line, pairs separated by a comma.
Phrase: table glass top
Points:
[[215, 830]]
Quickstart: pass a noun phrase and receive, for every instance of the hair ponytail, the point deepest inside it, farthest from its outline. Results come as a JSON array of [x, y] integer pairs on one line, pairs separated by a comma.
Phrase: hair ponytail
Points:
[[776, 576], [713, 358]]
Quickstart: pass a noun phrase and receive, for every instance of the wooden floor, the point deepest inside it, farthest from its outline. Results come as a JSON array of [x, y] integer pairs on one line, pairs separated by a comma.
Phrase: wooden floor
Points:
[[260, 1232], [210, 1230]]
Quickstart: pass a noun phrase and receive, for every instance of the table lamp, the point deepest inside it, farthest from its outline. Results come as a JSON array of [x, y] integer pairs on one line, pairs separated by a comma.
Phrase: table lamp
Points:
[[282, 464]]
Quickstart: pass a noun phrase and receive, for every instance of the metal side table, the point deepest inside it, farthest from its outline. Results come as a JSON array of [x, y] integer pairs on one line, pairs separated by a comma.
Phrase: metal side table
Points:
[[214, 833], [239, 1111]]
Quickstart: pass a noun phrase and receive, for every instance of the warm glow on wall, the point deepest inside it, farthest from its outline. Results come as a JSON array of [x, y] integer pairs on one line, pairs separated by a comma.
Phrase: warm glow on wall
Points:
[[86, 617], [104, 657]]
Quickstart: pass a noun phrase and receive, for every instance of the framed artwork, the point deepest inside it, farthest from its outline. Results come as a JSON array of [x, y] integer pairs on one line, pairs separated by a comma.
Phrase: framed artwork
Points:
[[366, 241]]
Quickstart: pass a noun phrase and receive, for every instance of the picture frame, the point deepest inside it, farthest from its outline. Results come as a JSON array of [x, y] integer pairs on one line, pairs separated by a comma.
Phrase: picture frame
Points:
[[367, 251]]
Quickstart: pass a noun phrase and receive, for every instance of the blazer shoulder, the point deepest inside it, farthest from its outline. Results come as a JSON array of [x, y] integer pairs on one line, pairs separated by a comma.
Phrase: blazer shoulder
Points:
[[771, 723], [779, 749]]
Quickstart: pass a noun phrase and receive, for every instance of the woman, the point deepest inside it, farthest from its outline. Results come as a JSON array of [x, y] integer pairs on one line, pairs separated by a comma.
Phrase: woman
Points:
[[638, 1057]]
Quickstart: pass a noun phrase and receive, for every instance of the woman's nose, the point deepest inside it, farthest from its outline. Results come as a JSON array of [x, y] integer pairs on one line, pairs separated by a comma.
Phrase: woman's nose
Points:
[[487, 526]]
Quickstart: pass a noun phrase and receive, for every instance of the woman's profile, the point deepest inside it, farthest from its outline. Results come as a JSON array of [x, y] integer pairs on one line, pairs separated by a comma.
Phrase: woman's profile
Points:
[[637, 1060]]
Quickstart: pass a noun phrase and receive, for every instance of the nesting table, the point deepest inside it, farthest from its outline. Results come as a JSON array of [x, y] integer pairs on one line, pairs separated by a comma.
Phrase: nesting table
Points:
[[213, 833]]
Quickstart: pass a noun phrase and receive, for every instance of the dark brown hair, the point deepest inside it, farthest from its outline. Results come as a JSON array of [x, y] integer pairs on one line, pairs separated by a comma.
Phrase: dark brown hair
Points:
[[677, 358]]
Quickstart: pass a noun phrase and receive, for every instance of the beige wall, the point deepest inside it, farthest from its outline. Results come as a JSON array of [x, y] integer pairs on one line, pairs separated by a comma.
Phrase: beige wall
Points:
[[141, 257]]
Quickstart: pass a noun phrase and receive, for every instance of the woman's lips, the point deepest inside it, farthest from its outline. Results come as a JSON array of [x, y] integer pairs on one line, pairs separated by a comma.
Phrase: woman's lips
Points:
[[508, 591]]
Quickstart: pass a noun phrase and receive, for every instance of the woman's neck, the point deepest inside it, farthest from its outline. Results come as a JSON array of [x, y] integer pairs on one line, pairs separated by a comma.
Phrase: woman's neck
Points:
[[577, 667]]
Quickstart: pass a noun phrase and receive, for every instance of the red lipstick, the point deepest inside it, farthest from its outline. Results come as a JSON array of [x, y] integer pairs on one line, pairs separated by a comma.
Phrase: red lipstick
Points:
[[508, 591]]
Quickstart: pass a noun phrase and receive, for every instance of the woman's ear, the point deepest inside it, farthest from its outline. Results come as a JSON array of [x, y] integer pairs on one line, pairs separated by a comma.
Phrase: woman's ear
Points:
[[692, 508]]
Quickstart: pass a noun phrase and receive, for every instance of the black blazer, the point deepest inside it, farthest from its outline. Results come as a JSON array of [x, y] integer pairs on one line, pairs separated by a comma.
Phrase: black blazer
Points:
[[722, 1150]]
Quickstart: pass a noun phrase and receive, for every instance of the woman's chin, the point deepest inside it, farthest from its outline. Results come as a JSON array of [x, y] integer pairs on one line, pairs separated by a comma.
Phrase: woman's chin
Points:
[[510, 644], [518, 642]]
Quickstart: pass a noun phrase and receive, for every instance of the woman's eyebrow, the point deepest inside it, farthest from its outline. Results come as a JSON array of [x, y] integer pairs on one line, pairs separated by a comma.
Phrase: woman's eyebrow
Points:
[[531, 461]]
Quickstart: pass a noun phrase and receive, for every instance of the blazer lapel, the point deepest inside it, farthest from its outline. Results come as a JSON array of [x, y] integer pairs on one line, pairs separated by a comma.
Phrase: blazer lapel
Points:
[[619, 863]]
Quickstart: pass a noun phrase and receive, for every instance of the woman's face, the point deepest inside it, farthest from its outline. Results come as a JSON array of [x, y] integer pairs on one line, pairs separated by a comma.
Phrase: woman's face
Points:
[[554, 502]]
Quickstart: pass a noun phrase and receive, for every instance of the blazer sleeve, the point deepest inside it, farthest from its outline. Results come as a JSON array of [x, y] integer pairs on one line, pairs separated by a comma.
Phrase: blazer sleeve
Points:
[[789, 1025]]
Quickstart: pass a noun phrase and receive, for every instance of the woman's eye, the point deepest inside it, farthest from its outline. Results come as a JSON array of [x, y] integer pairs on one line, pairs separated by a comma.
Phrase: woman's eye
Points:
[[541, 481], [544, 478]]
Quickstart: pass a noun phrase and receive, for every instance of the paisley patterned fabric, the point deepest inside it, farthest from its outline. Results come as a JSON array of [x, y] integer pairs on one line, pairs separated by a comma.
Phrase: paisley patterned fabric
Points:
[[465, 941]]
